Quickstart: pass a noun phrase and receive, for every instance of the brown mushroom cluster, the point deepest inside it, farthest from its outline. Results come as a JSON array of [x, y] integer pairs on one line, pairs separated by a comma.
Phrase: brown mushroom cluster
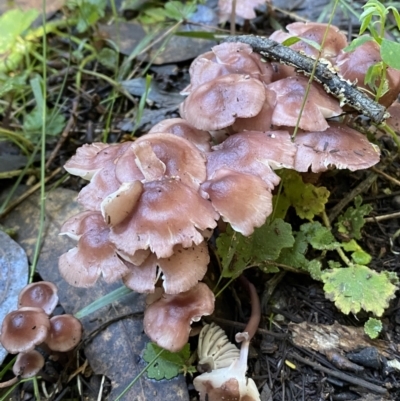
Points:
[[31, 325], [150, 205]]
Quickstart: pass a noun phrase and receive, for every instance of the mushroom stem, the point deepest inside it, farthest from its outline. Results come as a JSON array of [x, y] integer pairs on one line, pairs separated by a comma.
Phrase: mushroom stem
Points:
[[9, 383], [255, 316]]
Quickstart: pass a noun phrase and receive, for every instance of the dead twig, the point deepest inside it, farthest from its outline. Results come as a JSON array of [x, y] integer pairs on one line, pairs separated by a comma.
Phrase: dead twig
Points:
[[340, 375], [324, 74], [360, 188], [387, 176], [383, 217]]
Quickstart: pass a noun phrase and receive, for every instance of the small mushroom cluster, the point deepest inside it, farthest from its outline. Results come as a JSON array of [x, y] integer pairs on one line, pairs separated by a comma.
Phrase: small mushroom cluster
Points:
[[151, 204], [31, 325]]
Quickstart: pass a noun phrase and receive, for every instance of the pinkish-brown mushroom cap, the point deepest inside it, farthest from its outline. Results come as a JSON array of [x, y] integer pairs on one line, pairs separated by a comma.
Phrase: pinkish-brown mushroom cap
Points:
[[243, 200], [180, 127], [180, 271], [290, 93], [216, 104], [167, 214], [255, 153], [28, 364], [94, 254], [23, 329], [243, 9], [354, 65], [64, 334], [42, 294], [339, 146], [167, 321]]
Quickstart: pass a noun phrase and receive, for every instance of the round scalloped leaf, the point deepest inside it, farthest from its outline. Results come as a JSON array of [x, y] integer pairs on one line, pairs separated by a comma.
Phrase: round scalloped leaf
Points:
[[373, 327], [358, 287]]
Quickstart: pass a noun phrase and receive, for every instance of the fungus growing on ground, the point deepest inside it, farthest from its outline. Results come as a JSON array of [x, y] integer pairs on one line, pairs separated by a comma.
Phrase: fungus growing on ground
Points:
[[231, 383], [339, 146], [42, 294], [23, 329], [290, 93], [214, 349], [243, 9], [167, 319], [216, 104], [354, 65], [64, 334], [27, 364], [313, 31]]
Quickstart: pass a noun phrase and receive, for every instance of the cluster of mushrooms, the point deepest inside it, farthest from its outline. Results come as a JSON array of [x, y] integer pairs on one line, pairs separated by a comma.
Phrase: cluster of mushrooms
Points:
[[31, 326], [152, 204]]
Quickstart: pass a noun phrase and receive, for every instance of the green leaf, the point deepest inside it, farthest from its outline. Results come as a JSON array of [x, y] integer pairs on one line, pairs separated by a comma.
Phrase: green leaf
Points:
[[307, 199], [291, 41], [14, 23], [32, 125], [351, 222], [169, 364], [89, 12], [358, 42], [358, 287], [295, 257], [238, 252], [373, 327], [108, 58], [390, 51], [318, 236], [359, 256]]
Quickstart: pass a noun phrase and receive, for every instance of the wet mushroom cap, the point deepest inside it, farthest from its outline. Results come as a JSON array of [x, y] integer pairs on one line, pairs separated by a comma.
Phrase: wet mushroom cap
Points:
[[28, 364], [23, 329], [167, 321], [64, 334], [42, 294]]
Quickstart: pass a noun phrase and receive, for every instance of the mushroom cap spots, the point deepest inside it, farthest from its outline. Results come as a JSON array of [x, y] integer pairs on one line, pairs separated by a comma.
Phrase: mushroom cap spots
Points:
[[65, 333], [23, 329], [339, 146], [42, 294], [216, 104], [167, 320]]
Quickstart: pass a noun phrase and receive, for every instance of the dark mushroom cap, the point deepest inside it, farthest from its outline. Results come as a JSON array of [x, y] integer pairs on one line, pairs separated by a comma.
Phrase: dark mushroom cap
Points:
[[42, 294], [28, 364], [64, 334], [23, 329]]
